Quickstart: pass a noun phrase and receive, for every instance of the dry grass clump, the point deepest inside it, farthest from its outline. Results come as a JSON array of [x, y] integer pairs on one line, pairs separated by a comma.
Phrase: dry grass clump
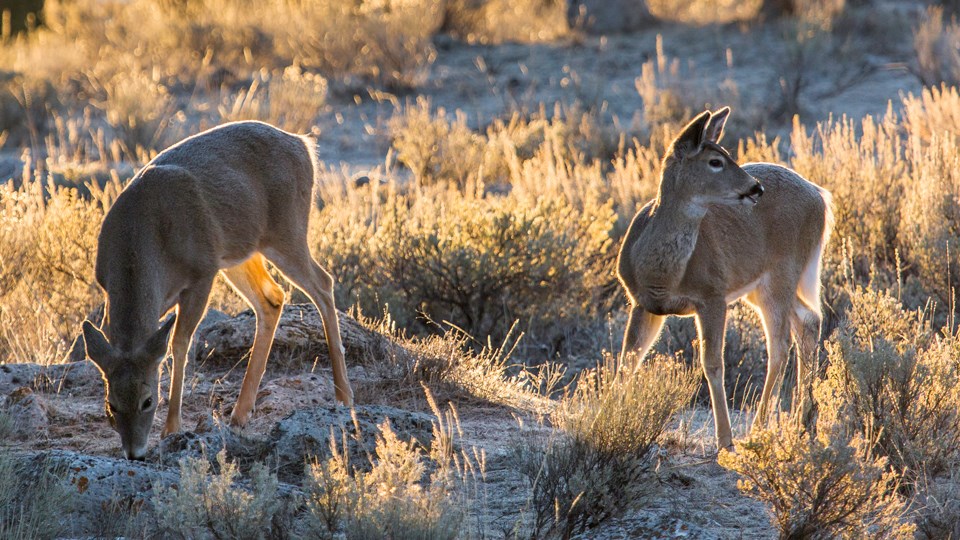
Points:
[[290, 99], [671, 94], [554, 145], [893, 380], [434, 149], [210, 42], [406, 494], [452, 367], [499, 21], [863, 167], [705, 12], [819, 486], [387, 42], [47, 284], [141, 67], [387, 502], [930, 224], [937, 44], [934, 113], [597, 463], [205, 505], [137, 107], [894, 191]]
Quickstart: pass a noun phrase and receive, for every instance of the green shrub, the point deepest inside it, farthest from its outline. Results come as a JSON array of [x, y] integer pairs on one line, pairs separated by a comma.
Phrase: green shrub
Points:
[[484, 263]]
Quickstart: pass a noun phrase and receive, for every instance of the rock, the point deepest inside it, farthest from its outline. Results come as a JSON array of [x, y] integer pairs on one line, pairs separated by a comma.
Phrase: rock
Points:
[[95, 483], [609, 16], [304, 435], [209, 437], [298, 342], [283, 395], [27, 414], [77, 377], [103, 488]]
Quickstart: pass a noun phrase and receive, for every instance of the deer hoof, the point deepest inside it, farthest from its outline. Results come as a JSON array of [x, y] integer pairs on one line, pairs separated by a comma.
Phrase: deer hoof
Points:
[[170, 429], [239, 419]]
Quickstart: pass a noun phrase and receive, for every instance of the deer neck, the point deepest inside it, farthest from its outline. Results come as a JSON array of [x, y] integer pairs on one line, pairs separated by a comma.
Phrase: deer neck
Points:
[[669, 240], [133, 310]]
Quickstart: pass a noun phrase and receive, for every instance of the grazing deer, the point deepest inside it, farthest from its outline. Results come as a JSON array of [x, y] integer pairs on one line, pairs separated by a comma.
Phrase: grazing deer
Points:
[[718, 232], [226, 200]]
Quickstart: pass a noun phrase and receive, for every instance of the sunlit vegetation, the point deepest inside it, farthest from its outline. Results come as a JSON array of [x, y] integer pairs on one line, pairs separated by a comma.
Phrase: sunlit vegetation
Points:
[[487, 252]]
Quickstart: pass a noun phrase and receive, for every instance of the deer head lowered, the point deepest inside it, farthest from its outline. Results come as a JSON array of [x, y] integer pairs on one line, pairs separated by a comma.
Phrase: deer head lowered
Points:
[[226, 200]]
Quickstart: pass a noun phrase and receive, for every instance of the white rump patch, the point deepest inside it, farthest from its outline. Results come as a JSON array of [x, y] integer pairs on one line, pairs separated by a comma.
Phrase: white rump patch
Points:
[[809, 287]]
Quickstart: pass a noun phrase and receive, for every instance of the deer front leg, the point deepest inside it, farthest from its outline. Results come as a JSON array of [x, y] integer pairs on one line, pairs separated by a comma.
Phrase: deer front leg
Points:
[[711, 327], [642, 331], [190, 309]]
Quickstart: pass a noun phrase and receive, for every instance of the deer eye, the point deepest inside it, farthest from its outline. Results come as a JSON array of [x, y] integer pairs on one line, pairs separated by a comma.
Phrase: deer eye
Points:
[[147, 403], [716, 163]]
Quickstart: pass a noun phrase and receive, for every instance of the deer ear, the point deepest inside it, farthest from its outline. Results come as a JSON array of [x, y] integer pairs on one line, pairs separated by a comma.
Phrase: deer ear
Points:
[[156, 347], [714, 129], [691, 138], [98, 348]]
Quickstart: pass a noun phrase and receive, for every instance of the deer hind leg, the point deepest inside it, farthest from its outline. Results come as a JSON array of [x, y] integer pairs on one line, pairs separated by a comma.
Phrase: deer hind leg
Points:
[[298, 266], [805, 323], [776, 326], [252, 280], [191, 305], [711, 327], [642, 331]]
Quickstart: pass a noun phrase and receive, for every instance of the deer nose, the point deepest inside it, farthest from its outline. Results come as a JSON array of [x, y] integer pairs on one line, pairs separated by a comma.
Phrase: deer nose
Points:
[[135, 456], [756, 190]]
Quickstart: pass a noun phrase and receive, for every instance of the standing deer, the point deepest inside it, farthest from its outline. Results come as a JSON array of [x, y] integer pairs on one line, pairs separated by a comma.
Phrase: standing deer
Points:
[[716, 233], [226, 200]]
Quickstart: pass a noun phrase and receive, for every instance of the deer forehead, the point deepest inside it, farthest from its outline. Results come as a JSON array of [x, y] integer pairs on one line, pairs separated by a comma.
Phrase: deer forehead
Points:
[[130, 386]]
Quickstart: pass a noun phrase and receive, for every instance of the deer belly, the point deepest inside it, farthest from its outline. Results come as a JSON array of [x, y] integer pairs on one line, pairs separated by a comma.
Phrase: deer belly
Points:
[[666, 304], [743, 291], [230, 262]]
